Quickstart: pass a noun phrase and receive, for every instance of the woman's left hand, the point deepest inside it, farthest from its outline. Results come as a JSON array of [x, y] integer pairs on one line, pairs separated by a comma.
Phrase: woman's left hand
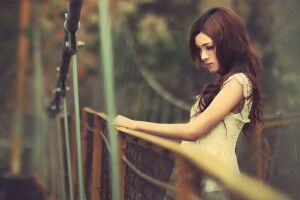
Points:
[[122, 121]]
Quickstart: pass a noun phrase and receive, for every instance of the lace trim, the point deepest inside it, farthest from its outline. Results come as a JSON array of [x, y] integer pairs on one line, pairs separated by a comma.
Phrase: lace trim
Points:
[[247, 91]]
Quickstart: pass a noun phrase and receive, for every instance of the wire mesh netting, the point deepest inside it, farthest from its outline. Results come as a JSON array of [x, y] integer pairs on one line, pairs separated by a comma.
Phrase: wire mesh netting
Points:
[[154, 164]]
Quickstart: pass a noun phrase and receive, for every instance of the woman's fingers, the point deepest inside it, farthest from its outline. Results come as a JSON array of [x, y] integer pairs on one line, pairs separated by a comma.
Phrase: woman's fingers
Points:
[[121, 121], [118, 120]]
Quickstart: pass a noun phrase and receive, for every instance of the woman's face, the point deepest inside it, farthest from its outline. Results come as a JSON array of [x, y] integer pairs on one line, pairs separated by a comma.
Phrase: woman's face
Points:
[[207, 52]]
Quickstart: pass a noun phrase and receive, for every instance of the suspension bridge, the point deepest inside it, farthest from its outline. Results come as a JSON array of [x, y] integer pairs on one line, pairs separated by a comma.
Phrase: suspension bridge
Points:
[[80, 154]]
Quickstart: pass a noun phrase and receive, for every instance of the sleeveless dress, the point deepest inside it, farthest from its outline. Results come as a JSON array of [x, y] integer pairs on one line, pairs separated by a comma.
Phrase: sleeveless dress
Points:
[[219, 142]]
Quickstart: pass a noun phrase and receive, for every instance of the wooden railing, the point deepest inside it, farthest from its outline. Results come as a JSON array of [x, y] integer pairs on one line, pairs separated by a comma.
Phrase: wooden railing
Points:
[[263, 133], [147, 162]]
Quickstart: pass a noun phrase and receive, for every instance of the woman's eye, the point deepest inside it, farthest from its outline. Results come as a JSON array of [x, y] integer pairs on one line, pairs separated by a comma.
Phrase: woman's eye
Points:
[[210, 47]]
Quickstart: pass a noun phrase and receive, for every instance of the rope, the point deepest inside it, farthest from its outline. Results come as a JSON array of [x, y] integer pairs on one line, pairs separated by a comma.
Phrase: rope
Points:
[[139, 173], [151, 81], [102, 135], [148, 178]]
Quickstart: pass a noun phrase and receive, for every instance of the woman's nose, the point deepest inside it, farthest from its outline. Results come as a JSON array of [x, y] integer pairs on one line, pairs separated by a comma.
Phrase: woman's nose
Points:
[[204, 55]]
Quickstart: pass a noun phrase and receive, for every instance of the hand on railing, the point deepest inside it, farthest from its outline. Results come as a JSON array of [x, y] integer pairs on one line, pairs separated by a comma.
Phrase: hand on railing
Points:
[[150, 160], [122, 121]]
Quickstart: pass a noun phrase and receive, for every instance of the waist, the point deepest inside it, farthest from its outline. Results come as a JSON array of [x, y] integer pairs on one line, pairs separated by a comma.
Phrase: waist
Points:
[[226, 145], [211, 145]]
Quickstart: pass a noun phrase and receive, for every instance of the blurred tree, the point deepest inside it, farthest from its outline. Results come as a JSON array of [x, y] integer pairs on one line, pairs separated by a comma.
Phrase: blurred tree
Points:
[[261, 35], [8, 34], [161, 31], [261, 21]]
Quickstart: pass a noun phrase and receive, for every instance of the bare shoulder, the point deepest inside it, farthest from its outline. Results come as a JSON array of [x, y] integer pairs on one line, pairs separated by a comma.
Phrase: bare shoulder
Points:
[[232, 86], [241, 82]]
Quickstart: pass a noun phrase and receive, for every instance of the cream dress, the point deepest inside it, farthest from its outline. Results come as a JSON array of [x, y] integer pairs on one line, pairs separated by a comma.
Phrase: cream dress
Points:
[[218, 141]]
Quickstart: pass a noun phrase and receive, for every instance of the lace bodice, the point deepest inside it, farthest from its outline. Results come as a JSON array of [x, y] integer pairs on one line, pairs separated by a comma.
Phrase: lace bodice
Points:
[[221, 141]]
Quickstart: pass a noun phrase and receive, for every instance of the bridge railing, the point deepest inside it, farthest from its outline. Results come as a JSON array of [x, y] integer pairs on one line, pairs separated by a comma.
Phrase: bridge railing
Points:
[[155, 168]]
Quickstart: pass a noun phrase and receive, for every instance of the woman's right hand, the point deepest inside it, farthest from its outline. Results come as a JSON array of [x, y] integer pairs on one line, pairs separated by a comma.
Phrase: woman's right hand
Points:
[[122, 121]]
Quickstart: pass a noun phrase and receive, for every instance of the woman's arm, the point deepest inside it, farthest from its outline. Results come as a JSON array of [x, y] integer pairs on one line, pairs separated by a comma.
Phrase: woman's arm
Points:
[[171, 131], [230, 95]]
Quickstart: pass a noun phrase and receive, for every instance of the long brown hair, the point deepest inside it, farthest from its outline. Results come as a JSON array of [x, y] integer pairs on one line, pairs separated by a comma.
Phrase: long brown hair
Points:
[[234, 53]]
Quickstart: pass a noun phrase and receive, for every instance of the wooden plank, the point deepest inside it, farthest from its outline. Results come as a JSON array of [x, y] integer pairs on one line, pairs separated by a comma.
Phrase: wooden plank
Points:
[[23, 64], [259, 154], [83, 135], [97, 155], [122, 148], [281, 122], [187, 187], [87, 125], [73, 150], [242, 185], [59, 156], [64, 156]]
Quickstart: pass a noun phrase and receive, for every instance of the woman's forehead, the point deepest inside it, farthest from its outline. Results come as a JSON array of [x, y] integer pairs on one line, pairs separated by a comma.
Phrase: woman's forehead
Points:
[[202, 39]]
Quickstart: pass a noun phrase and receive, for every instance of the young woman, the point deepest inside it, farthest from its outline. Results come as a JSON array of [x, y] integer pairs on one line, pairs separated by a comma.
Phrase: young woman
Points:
[[231, 104]]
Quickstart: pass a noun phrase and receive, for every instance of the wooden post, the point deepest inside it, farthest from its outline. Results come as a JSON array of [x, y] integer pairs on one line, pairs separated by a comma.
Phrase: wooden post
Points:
[[112, 8], [122, 150], [260, 162], [23, 61], [84, 132], [188, 186], [97, 155], [73, 150]]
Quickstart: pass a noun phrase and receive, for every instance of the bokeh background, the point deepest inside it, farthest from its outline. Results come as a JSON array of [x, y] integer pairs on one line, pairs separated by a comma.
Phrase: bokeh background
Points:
[[158, 30], [155, 79]]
